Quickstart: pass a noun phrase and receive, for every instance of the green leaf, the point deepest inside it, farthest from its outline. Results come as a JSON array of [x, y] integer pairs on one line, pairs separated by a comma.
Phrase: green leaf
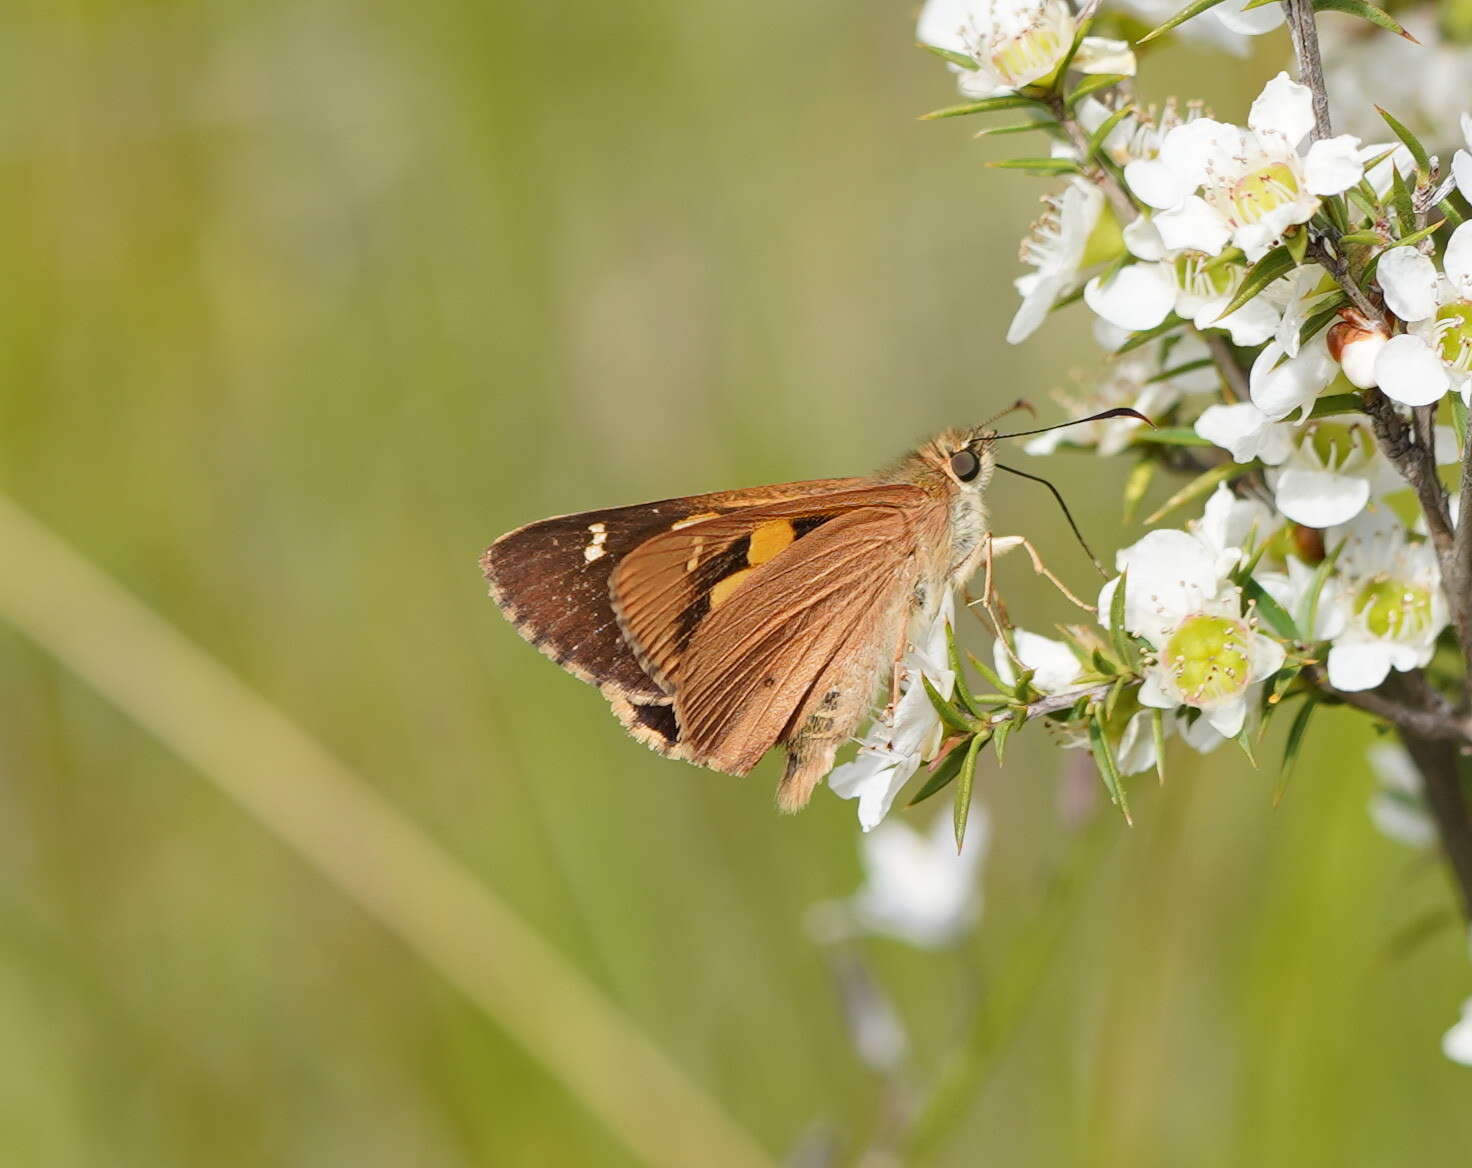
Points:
[[1178, 436], [1017, 128], [1273, 266], [1108, 771], [1316, 590], [1272, 612], [1043, 166], [963, 791], [1157, 732], [1177, 370], [1169, 324], [1118, 634], [1337, 403], [1453, 216], [1292, 746], [1107, 127], [1400, 198], [953, 718], [1373, 238], [993, 679], [1202, 484], [1459, 419], [986, 105], [1003, 732], [1141, 476], [1195, 8], [945, 772], [1369, 12], [1408, 139], [1321, 317], [1297, 244], [1414, 237], [1093, 83], [950, 55], [963, 696]]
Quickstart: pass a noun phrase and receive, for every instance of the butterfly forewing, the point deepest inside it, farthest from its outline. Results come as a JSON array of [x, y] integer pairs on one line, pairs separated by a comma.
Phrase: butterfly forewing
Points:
[[551, 579]]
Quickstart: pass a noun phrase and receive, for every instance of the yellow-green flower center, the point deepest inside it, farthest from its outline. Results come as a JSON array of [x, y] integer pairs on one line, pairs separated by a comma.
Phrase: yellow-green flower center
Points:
[[1199, 277], [1033, 52], [1207, 658], [1263, 190], [1334, 443], [1454, 334], [1394, 608]]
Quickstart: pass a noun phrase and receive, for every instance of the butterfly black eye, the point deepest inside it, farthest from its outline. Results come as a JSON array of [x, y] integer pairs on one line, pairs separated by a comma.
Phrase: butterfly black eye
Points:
[[965, 465]]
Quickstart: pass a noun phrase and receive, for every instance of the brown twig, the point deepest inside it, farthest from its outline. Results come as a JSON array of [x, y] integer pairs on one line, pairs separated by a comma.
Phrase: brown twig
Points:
[[1305, 36]]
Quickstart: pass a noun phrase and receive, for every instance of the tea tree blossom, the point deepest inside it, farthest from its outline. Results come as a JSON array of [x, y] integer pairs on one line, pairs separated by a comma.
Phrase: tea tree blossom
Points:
[[1214, 183], [1435, 354]]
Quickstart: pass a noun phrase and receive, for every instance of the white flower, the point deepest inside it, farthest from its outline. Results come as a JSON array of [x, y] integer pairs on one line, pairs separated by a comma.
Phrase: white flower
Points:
[[1456, 1044], [1435, 355], [916, 887], [1462, 160], [1356, 343], [1280, 384], [1247, 432], [905, 736], [1335, 469], [1229, 526], [1179, 600], [1015, 42], [1398, 806], [1389, 599], [1254, 183], [1055, 247]]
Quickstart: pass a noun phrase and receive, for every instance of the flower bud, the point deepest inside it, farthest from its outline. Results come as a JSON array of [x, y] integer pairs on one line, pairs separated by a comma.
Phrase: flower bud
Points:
[[1355, 343]]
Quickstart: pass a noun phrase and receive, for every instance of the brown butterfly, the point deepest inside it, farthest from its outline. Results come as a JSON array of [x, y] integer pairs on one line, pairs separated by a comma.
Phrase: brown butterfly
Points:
[[719, 626]]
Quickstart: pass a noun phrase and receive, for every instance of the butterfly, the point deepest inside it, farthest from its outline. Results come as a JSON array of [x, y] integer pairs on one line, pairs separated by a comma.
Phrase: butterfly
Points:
[[721, 626]]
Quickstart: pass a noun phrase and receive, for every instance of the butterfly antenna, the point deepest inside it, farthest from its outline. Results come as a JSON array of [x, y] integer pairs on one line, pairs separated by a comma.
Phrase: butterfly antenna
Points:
[[1119, 412], [1020, 404], [1067, 514]]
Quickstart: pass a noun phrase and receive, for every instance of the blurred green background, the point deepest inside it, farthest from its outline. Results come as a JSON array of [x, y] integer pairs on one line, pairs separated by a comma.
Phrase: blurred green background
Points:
[[304, 304]]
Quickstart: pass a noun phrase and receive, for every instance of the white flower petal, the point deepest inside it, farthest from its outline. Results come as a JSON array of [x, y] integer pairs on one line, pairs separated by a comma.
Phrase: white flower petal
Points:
[[1238, 18], [1143, 239], [1279, 388], [1410, 373], [1246, 431], [1193, 225], [1135, 751], [1456, 1043], [1357, 667], [1039, 294], [1319, 498], [1266, 655], [1358, 358], [942, 21], [1285, 108], [1462, 172], [1250, 325], [1190, 149], [1227, 720], [1138, 297], [1333, 165], [1154, 183], [1154, 692], [1408, 280], [1457, 260], [1055, 666], [1103, 55]]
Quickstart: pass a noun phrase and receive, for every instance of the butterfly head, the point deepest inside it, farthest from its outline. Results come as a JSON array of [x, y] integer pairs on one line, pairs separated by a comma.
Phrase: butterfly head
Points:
[[963, 460]]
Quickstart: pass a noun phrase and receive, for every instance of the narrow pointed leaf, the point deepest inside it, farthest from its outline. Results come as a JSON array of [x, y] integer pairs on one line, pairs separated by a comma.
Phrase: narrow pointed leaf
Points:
[[1293, 745], [1044, 166], [1157, 732], [1273, 266], [1095, 82], [1117, 632], [1195, 8], [986, 105], [1018, 128], [1202, 485], [963, 791], [1108, 771], [963, 696], [1137, 485], [1177, 436], [1376, 16], [944, 774], [1272, 612], [1169, 324], [953, 718], [950, 55], [993, 678], [1408, 139], [1107, 127]]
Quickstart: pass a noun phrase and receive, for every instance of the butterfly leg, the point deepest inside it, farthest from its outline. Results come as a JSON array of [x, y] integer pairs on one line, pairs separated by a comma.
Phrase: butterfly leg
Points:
[[991, 604], [1005, 543]]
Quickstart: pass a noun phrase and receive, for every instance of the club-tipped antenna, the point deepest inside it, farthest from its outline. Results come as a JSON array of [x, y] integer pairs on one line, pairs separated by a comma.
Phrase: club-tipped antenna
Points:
[[1020, 404], [1067, 514], [1118, 412]]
